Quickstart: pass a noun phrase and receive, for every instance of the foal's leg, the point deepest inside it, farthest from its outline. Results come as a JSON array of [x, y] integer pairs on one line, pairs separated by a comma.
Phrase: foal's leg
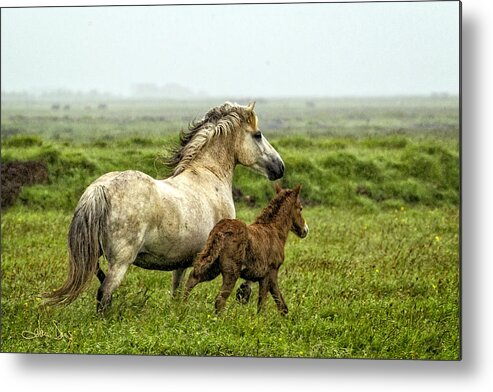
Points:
[[193, 280], [276, 293], [229, 281], [262, 292], [244, 291], [178, 275]]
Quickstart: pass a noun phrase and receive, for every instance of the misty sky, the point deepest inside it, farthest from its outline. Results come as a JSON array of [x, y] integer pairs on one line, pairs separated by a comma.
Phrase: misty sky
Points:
[[352, 49]]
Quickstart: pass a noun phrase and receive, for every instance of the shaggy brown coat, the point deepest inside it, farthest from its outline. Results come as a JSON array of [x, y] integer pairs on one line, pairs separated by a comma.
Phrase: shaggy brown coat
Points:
[[253, 252]]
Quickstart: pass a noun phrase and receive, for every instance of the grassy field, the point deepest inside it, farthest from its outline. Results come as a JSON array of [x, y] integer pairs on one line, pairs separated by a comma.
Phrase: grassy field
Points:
[[378, 276]]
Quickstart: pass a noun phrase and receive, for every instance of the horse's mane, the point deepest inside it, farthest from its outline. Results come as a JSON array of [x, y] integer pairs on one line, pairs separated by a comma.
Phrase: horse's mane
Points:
[[275, 206], [221, 120]]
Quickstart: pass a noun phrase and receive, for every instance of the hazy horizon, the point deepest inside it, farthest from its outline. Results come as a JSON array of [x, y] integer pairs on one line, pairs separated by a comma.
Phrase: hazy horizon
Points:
[[268, 50], [82, 96]]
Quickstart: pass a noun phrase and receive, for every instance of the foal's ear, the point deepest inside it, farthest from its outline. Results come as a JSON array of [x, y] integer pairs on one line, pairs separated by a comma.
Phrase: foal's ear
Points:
[[250, 106], [297, 190], [278, 188]]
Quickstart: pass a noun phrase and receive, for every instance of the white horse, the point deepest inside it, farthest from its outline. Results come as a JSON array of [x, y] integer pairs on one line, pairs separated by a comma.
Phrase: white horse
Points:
[[131, 218]]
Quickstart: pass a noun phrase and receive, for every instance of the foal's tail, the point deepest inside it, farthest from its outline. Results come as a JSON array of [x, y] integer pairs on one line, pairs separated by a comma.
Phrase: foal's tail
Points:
[[84, 245], [206, 259]]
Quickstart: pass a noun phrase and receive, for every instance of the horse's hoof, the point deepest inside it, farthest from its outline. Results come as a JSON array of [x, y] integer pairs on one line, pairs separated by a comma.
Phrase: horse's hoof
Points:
[[101, 309]]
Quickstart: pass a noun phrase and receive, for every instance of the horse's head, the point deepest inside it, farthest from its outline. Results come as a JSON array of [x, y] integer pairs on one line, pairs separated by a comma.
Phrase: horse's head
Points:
[[253, 150], [299, 226]]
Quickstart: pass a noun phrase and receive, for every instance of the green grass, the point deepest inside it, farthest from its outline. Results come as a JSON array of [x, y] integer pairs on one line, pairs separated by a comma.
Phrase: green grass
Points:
[[359, 286], [374, 172], [377, 277]]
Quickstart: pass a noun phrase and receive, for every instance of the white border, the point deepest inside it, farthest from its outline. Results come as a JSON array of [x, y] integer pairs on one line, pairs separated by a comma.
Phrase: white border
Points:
[[95, 373]]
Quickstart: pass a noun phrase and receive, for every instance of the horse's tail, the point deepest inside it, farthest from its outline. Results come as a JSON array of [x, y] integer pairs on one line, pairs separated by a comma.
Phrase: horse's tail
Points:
[[84, 245], [208, 256]]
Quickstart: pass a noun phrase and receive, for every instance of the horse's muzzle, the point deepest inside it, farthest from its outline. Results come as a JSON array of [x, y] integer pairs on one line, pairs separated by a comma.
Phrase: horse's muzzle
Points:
[[304, 233], [300, 232], [275, 171]]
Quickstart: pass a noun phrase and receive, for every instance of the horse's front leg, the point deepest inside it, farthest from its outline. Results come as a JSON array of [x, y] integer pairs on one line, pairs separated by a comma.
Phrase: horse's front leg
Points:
[[178, 275]]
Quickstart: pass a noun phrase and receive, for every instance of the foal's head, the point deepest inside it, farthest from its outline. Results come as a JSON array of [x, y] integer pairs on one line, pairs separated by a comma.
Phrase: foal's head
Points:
[[299, 226]]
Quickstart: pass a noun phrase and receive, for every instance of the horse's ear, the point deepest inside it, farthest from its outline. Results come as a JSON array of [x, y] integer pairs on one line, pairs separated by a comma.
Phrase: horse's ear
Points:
[[297, 190], [250, 106], [278, 188]]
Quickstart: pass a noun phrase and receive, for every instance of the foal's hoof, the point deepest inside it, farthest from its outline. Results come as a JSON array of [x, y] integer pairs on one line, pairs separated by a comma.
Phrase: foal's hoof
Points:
[[243, 293]]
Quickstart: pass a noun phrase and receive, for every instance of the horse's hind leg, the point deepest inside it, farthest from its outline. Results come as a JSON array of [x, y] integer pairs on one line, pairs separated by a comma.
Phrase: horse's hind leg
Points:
[[118, 265], [100, 274], [111, 282]]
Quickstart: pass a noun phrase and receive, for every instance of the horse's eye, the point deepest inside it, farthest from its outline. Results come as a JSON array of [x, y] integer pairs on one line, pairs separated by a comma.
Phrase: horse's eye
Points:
[[257, 135]]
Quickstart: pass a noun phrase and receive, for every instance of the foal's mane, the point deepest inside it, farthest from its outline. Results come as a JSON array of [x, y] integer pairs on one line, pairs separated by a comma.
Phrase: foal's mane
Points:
[[220, 120], [277, 206]]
